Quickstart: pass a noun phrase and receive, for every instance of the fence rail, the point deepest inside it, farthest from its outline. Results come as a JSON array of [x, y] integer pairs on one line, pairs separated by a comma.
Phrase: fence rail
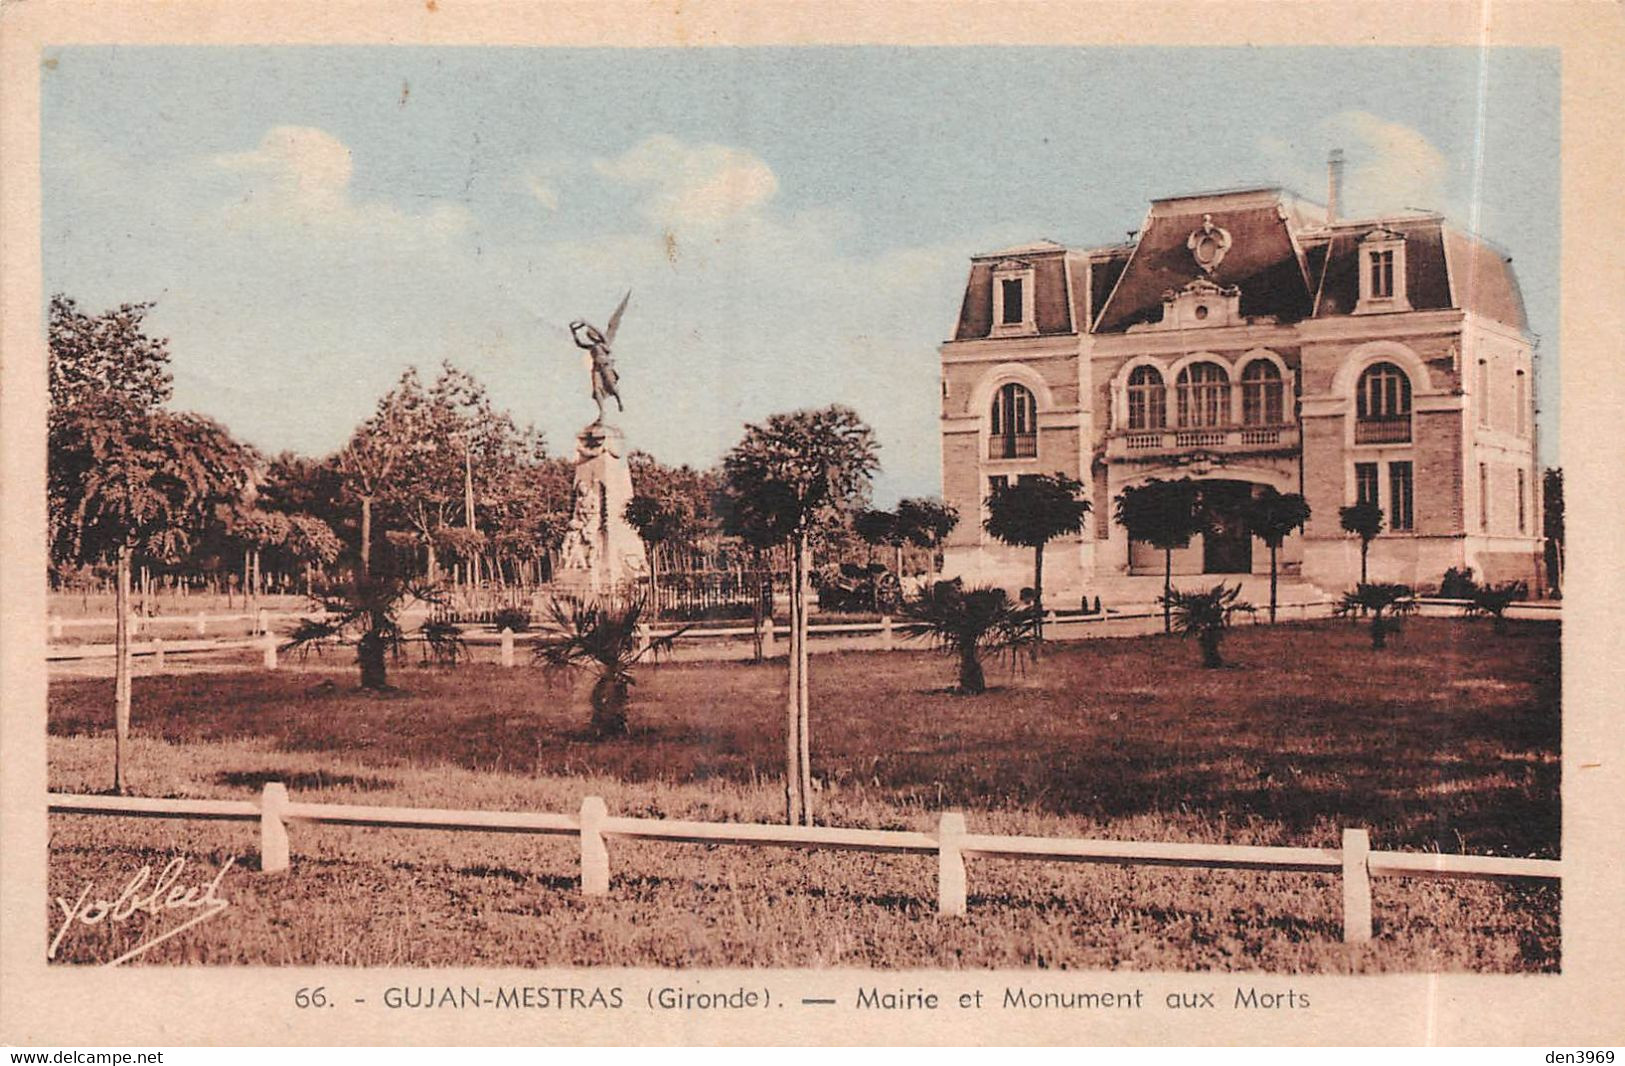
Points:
[[1058, 625], [1355, 863]]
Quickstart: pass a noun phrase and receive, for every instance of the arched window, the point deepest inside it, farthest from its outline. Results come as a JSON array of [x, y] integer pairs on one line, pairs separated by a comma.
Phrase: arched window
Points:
[[1204, 395], [1013, 430], [1261, 394], [1147, 399], [1382, 404]]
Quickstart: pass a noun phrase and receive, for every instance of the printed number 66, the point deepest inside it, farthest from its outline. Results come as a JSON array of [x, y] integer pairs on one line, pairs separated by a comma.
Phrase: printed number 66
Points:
[[310, 997]]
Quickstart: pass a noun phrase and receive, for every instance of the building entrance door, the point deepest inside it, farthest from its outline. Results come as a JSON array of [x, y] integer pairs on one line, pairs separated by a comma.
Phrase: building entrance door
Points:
[[1227, 546]]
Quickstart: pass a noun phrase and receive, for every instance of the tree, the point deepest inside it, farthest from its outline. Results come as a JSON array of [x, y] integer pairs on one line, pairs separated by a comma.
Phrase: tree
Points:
[[1166, 515], [1364, 520], [257, 530], [138, 484], [971, 624], [1030, 514], [926, 522], [786, 481], [125, 477], [381, 445], [1551, 489], [97, 359], [1206, 616], [610, 641], [1386, 603], [658, 521], [313, 543], [875, 528], [690, 491], [1273, 516]]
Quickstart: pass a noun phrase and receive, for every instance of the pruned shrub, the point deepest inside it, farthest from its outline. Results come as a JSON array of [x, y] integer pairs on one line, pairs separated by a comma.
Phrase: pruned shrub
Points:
[[1458, 584], [515, 618]]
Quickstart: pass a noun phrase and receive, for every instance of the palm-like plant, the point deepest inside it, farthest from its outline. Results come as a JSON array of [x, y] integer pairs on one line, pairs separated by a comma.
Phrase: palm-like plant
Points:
[[366, 611], [443, 642], [1206, 615], [971, 624], [1492, 601], [607, 639], [1386, 603]]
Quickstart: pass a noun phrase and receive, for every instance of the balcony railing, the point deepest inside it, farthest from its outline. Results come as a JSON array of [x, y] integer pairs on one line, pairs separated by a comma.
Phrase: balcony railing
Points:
[[1382, 430], [1206, 438], [1013, 446]]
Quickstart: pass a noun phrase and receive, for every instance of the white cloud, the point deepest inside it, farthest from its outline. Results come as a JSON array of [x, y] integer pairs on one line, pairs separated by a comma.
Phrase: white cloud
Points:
[[298, 178], [307, 166], [692, 184], [1390, 166]]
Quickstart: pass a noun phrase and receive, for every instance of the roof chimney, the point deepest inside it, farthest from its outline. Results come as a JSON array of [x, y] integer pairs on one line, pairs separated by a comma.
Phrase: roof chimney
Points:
[[1334, 184]]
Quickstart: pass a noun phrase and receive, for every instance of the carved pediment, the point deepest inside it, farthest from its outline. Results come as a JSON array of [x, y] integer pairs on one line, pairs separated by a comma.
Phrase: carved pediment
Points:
[[1200, 287], [1382, 234], [1011, 266]]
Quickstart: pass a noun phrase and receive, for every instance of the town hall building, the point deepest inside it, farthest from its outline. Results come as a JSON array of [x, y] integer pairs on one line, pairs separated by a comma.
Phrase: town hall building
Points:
[[1250, 338]]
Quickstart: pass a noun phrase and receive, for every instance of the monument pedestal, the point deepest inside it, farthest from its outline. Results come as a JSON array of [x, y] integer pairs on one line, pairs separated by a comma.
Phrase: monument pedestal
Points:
[[602, 554]]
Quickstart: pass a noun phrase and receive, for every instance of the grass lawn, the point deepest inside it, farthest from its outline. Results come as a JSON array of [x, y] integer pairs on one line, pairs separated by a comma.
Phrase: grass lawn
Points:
[[1448, 741]]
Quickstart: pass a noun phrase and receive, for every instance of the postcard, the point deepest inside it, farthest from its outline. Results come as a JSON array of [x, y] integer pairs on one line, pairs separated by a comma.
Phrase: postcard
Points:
[[759, 523]]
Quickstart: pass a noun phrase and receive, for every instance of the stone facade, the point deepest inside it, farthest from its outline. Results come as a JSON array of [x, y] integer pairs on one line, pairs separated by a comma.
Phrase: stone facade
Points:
[[1246, 339]]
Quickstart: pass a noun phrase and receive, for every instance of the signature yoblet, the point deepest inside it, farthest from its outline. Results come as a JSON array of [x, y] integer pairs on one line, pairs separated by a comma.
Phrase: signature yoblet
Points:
[[148, 895]]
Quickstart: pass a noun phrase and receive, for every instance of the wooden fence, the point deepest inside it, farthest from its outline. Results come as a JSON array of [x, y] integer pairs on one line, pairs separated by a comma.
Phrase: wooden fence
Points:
[[890, 632], [1355, 863]]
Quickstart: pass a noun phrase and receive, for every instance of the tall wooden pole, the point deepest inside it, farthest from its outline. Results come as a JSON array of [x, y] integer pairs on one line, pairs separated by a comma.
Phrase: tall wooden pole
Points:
[[803, 707], [121, 668], [792, 725]]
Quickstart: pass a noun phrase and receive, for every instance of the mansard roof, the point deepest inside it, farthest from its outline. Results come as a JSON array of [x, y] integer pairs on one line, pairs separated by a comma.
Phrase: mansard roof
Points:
[[1262, 258], [1055, 273], [1288, 263], [1444, 267]]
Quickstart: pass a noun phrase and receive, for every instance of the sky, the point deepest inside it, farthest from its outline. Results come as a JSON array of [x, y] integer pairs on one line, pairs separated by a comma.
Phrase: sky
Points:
[[794, 224]]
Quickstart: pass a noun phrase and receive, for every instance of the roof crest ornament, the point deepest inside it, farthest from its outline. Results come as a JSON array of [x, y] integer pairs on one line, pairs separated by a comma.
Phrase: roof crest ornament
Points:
[[1208, 244]]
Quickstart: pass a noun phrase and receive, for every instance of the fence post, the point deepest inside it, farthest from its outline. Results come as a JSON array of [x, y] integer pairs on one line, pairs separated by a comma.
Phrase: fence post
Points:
[[767, 635], [135, 623], [262, 621], [157, 655], [273, 833], [507, 646], [594, 856], [885, 632], [270, 651], [56, 629], [950, 865], [202, 624], [1356, 886]]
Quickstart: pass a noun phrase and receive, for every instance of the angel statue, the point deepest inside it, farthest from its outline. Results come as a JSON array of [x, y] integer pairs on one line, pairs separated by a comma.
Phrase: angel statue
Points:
[[604, 378]]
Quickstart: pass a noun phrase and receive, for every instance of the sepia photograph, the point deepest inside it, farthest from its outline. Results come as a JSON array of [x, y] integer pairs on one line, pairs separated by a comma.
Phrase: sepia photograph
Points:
[[851, 508]]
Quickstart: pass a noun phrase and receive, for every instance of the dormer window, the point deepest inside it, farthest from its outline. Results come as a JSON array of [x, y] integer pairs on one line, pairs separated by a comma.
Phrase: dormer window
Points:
[[1013, 298], [1382, 272], [1011, 291]]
